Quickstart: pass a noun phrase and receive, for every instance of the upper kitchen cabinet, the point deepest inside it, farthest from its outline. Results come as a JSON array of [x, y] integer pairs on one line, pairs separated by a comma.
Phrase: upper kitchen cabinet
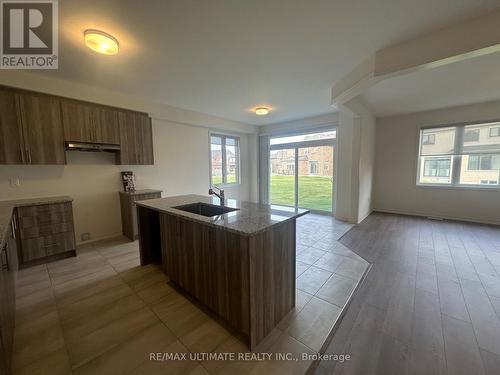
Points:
[[34, 127], [11, 147], [92, 123], [42, 129], [136, 139]]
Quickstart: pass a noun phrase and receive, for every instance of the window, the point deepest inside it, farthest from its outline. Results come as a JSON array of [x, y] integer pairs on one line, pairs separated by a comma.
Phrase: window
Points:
[[313, 167], [483, 162], [428, 139], [462, 155], [224, 160], [471, 135], [326, 166], [437, 167], [495, 132]]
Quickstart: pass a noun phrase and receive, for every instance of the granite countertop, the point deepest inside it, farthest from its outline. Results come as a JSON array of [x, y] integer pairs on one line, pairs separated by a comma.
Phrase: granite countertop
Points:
[[6, 208], [143, 191], [250, 219]]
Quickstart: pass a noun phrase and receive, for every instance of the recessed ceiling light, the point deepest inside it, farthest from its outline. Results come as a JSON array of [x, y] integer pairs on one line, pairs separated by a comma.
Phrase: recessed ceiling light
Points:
[[101, 42], [261, 111]]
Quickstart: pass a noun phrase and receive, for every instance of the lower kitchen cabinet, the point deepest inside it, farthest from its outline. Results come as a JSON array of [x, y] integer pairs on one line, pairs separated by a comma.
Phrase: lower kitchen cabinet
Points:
[[129, 210], [46, 232]]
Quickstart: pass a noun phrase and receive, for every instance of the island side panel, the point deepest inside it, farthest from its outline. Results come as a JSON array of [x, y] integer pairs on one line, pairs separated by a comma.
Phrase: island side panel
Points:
[[211, 265], [148, 222], [272, 279]]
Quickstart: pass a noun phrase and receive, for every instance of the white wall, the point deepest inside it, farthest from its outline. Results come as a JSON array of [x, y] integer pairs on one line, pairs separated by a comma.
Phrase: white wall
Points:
[[93, 180], [355, 162], [395, 188]]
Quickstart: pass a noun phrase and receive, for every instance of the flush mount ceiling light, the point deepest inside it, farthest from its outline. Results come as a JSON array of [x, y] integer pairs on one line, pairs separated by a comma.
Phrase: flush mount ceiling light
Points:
[[101, 42], [261, 111]]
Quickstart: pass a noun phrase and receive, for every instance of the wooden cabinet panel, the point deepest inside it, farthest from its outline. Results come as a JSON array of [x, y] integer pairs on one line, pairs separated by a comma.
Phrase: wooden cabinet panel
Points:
[[42, 128], [59, 243], [33, 128], [11, 146], [129, 210], [77, 121], [105, 122], [8, 256], [45, 232], [41, 209], [33, 248], [136, 139], [89, 123]]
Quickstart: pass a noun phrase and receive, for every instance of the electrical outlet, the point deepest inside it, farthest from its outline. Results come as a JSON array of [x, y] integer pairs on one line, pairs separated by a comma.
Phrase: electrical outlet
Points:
[[85, 236]]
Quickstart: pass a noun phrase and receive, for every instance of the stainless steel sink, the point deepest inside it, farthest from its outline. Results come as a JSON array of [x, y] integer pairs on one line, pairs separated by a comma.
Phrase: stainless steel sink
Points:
[[205, 209]]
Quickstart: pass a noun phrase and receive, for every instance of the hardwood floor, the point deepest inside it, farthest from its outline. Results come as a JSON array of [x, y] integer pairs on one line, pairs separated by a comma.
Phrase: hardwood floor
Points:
[[102, 313], [430, 303]]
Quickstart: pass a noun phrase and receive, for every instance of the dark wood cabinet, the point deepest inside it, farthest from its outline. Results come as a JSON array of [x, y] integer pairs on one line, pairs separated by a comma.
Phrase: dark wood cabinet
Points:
[[8, 257], [129, 210], [34, 127], [42, 129], [89, 123], [31, 130], [136, 136], [11, 146], [46, 233], [77, 121]]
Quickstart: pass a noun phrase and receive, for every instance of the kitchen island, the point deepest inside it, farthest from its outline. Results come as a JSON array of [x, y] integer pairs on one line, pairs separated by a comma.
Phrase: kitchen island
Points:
[[238, 260]]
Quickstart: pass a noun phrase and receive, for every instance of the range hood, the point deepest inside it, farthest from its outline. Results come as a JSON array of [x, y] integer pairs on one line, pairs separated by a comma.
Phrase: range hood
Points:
[[91, 147]]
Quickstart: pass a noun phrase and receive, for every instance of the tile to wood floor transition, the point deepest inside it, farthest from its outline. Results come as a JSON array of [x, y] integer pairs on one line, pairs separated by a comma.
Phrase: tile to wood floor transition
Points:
[[101, 313]]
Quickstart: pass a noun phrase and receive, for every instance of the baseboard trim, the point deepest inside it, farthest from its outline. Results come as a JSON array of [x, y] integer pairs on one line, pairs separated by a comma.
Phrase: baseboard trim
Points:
[[433, 215], [99, 239]]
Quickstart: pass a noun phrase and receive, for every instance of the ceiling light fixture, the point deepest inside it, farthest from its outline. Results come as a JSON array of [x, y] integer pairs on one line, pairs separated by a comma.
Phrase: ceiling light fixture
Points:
[[101, 42], [261, 111]]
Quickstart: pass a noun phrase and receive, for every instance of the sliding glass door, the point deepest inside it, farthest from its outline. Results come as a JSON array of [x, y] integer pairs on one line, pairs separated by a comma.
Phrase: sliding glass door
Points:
[[282, 189], [302, 171], [315, 178]]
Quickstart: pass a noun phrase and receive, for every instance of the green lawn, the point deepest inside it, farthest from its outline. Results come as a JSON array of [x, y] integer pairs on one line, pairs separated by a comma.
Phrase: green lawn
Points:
[[314, 192], [217, 180]]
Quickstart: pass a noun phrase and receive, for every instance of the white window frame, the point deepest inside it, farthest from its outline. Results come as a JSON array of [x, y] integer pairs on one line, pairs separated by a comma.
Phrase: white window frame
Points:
[[223, 137], [456, 159]]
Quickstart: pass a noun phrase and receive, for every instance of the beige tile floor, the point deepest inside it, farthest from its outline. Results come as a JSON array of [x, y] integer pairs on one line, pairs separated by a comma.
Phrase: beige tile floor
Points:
[[102, 313]]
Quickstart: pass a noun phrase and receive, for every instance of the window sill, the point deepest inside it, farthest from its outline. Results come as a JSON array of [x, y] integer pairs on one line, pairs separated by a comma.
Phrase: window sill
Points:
[[459, 187]]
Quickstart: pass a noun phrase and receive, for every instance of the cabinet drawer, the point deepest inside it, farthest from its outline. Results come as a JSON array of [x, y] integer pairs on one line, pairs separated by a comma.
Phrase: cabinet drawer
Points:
[[59, 243], [43, 209], [33, 248], [47, 218], [46, 230], [41, 247]]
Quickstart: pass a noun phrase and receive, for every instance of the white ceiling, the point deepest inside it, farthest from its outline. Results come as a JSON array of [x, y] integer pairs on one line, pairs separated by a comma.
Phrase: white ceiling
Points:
[[224, 57], [466, 82]]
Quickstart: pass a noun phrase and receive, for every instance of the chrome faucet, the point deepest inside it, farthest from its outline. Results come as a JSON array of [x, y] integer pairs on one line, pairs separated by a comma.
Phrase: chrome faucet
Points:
[[220, 195]]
